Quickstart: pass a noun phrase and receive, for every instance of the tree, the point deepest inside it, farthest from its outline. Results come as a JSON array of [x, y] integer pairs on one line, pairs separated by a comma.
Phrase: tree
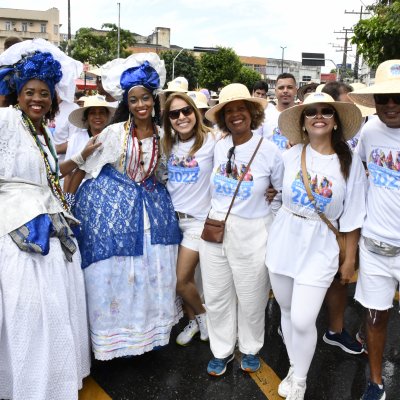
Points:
[[377, 38], [248, 77], [219, 68], [99, 47], [185, 65]]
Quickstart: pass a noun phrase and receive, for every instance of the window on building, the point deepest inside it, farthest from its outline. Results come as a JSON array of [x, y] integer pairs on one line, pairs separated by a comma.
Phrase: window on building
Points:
[[56, 29], [24, 27], [43, 28], [8, 26]]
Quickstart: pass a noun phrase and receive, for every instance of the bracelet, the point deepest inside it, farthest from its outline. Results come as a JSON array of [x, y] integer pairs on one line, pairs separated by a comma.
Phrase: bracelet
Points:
[[78, 159]]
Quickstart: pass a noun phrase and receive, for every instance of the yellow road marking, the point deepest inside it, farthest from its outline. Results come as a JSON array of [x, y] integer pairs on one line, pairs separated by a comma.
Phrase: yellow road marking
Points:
[[266, 380], [92, 391]]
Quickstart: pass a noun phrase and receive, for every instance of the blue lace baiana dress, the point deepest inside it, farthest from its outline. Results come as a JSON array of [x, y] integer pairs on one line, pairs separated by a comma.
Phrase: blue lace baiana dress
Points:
[[129, 240]]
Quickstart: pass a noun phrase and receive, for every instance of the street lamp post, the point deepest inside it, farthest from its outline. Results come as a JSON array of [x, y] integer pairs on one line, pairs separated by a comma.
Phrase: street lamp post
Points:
[[173, 64], [119, 19], [283, 56]]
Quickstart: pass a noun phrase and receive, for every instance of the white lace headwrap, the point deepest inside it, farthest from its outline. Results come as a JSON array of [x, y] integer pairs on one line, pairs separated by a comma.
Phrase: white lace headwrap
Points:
[[71, 69]]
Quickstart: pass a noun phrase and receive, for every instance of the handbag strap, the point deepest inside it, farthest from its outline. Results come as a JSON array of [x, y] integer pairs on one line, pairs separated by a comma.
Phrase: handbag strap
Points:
[[241, 178], [306, 183]]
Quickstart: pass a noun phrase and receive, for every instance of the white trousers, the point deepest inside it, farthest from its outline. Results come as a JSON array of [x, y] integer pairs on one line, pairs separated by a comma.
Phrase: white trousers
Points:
[[236, 286]]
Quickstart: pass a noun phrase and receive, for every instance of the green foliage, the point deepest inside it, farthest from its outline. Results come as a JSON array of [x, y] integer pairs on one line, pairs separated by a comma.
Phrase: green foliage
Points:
[[186, 65], [97, 48], [377, 38], [218, 69], [248, 77]]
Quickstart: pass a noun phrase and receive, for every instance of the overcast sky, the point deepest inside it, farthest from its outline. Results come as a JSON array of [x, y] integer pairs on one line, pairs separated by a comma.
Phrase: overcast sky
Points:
[[250, 27]]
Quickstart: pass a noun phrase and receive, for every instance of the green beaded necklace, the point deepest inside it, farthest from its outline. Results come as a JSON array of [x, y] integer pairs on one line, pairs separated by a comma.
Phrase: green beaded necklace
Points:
[[52, 176]]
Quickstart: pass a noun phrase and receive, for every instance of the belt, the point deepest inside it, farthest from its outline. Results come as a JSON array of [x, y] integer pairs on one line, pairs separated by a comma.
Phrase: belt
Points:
[[181, 215], [381, 248]]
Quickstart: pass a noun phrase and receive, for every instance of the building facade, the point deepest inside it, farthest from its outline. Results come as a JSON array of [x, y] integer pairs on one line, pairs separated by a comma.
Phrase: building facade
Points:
[[29, 24]]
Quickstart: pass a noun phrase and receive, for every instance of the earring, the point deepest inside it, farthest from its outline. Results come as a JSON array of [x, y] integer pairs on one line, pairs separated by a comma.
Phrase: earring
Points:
[[153, 113], [335, 127], [304, 128]]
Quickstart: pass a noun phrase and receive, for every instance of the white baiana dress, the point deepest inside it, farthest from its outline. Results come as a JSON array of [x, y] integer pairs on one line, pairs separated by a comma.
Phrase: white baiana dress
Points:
[[129, 238], [44, 345]]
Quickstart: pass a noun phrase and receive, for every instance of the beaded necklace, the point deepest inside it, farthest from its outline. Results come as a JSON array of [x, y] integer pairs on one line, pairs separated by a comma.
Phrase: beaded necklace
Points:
[[136, 163], [52, 176]]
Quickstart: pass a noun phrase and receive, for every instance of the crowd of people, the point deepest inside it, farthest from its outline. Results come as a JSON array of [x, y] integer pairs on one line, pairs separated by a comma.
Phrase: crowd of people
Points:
[[106, 208]]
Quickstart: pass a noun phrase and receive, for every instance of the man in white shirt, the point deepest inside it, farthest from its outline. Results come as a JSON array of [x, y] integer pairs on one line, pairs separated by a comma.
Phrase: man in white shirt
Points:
[[285, 92], [379, 275]]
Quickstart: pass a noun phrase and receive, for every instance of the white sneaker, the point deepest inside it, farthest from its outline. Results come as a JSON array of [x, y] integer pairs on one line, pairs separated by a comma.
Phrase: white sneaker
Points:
[[284, 386], [202, 323], [297, 390], [186, 336]]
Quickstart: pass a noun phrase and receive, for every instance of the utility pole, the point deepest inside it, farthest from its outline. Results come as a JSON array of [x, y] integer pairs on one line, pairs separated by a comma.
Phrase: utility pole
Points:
[[345, 50], [357, 60], [69, 28], [119, 29]]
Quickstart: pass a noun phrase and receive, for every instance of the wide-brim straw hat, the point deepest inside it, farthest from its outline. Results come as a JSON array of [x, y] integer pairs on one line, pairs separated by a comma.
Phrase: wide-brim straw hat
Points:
[[348, 113], [387, 80], [179, 84], [233, 92], [365, 111], [308, 88], [76, 116], [199, 99]]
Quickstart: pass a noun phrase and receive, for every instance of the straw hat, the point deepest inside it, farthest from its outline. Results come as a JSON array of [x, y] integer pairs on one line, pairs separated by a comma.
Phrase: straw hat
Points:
[[233, 92], [308, 88], [365, 111], [348, 113], [387, 80], [199, 99], [76, 116], [179, 84]]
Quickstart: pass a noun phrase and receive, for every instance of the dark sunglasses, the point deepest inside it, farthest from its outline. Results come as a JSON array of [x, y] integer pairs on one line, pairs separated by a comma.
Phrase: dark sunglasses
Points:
[[186, 111], [383, 99], [326, 112], [228, 167]]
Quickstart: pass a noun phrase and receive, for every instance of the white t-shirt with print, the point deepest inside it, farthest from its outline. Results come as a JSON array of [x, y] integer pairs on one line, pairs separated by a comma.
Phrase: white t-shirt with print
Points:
[[300, 244], [379, 148], [266, 168], [189, 177], [271, 129]]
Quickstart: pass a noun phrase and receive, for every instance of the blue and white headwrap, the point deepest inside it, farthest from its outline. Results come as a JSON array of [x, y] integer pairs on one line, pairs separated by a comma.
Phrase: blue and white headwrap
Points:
[[142, 69], [36, 65]]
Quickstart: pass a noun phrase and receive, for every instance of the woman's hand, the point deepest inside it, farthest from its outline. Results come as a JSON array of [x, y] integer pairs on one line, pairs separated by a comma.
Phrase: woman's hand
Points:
[[92, 145], [346, 272], [270, 193]]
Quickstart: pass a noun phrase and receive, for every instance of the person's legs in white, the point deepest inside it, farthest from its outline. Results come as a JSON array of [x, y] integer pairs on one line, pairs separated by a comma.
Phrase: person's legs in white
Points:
[[220, 299]]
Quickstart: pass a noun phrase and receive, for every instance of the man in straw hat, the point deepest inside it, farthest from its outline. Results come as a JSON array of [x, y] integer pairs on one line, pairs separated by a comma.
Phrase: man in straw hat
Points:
[[379, 275]]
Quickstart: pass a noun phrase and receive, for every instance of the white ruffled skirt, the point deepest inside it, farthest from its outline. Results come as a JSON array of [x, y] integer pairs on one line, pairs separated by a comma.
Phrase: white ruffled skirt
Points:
[[44, 344], [132, 301]]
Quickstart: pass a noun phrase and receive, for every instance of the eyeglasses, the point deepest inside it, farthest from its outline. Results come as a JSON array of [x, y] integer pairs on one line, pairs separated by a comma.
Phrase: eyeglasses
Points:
[[383, 99], [326, 112], [186, 111], [228, 167]]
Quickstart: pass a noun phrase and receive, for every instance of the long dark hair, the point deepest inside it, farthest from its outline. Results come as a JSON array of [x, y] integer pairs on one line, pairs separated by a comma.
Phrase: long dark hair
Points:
[[340, 146]]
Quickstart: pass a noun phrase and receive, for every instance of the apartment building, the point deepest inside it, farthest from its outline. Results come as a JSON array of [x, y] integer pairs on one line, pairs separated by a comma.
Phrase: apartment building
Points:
[[29, 24]]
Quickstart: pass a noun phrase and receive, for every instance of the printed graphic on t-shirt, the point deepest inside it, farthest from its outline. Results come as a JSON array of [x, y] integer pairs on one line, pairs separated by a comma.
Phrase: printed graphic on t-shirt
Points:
[[225, 184], [183, 170], [280, 140], [321, 189], [353, 142], [52, 126], [384, 168]]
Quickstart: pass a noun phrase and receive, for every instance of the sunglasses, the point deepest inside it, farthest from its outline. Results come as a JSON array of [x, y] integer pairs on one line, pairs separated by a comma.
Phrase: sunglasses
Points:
[[383, 99], [186, 111], [326, 112], [228, 166]]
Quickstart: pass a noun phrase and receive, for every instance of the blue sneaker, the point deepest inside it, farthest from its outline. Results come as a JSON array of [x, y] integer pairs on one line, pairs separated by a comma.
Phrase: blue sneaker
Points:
[[217, 366], [374, 392], [250, 363], [344, 341]]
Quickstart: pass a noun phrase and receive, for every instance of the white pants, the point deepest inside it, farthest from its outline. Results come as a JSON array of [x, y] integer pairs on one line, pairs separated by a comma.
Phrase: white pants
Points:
[[236, 286], [300, 305]]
